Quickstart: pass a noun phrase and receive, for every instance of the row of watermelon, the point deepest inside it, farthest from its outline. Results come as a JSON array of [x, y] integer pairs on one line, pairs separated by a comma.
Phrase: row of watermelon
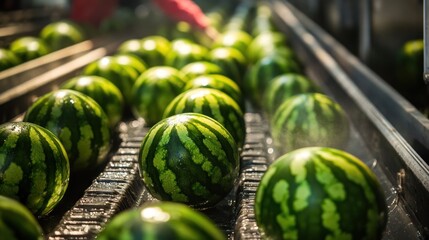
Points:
[[52, 37], [312, 191], [73, 134], [190, 155], [192, 158]]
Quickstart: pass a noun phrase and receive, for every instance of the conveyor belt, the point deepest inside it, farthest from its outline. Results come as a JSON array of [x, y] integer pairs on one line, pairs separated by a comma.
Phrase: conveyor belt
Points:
[[89, 204]]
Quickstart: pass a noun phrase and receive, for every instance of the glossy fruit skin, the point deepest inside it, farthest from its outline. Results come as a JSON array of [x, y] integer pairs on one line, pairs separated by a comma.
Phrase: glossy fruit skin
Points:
[[130, 60], [80, 124], [320, 193], [260, 75], [154, 90], [17, 222], [212, 103], [231, 61], [283, 87], [28, 48], [264, 44], [161, 220], [151, 49], [189, 158], [309, 119], [60, 34], [122, 76], [185, 52], [104, 92], [8, 59], [237, 39], [218, 82], [195, 69], [34, 168]]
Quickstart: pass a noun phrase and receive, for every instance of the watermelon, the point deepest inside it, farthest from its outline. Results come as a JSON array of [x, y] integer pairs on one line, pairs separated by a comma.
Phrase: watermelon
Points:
[[80, 124], [259, 76], [34, 167], [409, 68], [17, 222], [231, 61], [61, 34], [182, 29], [154, 90], [130, 60], [237, 39], [151, 49], [184, 53], [28, 48], [219, 82], [309, 119], [8, 59], [320, 193], [122, 76], [195, 69], [189, 158], [161, 220], [212, 103], [283, 87], [104, 92], [264, 43]]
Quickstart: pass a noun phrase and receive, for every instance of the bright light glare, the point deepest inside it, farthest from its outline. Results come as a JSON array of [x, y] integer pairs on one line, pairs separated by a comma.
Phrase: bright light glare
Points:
[[154, 214]]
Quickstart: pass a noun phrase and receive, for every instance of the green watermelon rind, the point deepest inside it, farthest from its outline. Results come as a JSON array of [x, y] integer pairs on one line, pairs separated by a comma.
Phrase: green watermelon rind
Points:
[[189, 158], [35, 166], [104, 92], [79, 122], [161, 220], [309, 119], [17, 222], [154, 90], [215, 104], [320, 193]]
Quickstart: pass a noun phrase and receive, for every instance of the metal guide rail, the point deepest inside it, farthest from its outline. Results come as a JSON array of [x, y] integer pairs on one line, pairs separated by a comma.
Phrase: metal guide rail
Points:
[[20, 85], [119, 187], [92, 201], [400, 162]]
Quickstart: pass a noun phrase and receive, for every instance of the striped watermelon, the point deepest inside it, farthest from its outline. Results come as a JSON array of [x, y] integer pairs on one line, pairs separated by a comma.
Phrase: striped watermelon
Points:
[[28, 48], [154, 90], [61, 34], [264, 43], [183, 53], [8, 59], [34, 166], [219, 82], [189, 158], [108, 67], [78, 121], [309, 119], [283, 87], [231, 61], [320, 193], [17, 222], [212, 103], [104, 92], [152, 49], [182, 29], [161, 220], [237, 39], [263, 72], [130, 60], [195, 69]]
